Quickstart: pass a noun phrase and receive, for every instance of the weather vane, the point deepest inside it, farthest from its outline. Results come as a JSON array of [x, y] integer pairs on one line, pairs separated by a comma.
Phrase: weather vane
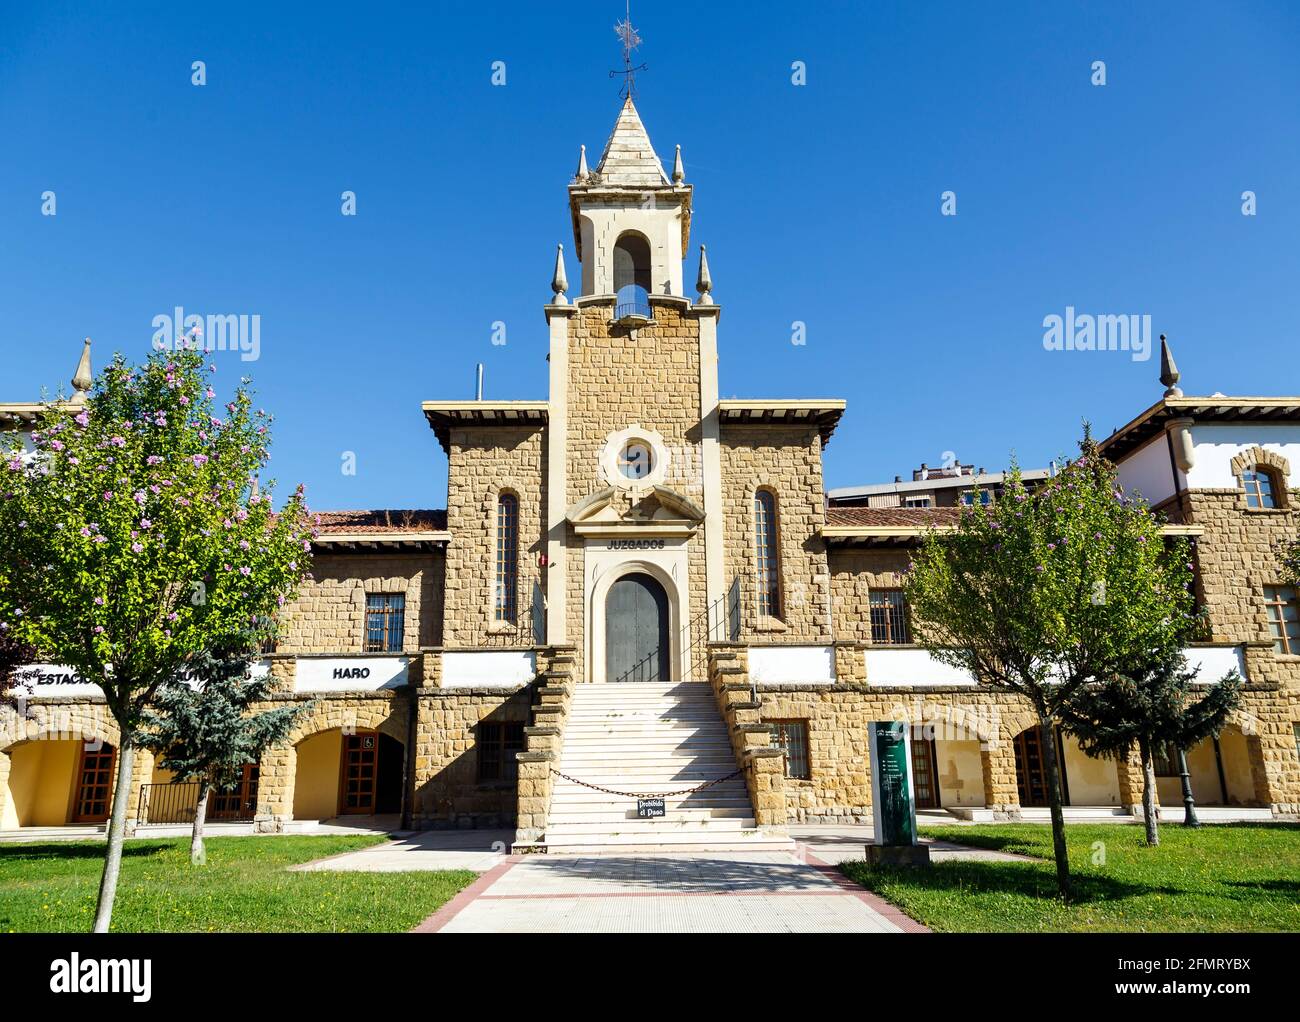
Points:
[[631, 41]]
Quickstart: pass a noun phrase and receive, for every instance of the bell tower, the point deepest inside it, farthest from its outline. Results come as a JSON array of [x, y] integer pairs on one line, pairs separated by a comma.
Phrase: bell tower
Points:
[[631, 222]]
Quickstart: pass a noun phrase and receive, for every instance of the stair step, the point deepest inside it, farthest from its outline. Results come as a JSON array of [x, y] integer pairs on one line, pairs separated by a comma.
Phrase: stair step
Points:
[[585, 814]]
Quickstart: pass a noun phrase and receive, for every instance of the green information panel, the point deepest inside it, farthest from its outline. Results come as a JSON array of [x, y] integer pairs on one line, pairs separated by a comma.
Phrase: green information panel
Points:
[[891, 784]]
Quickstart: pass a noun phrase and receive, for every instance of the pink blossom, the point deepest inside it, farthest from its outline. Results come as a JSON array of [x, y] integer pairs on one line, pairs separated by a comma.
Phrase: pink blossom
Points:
[[245, 570], [137, 548], [99, 629], [146, 524], [199, 460], [99, 601], [153, 459], [83, 419]]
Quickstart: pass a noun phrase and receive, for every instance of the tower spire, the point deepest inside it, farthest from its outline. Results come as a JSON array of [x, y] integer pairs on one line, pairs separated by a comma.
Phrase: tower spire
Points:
[[559, 282], [704, 283], [82, 379], [1169, 374]]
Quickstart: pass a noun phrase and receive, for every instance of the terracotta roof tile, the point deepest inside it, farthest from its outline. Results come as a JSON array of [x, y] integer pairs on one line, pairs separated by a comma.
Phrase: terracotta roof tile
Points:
[[906, 517]]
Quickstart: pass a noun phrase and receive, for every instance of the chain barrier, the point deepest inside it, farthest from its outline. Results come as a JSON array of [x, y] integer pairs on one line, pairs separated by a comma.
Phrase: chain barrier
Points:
[[648, 794]]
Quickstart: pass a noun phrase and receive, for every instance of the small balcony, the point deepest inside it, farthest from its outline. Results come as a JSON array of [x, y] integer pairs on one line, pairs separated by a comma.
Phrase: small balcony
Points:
[[632, 306]]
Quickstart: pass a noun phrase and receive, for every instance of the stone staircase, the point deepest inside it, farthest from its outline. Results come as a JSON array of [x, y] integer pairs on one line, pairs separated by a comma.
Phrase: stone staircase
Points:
[[650, 738]]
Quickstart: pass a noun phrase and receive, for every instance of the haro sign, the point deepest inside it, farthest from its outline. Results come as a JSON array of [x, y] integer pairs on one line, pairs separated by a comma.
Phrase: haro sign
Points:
[[352, 672]]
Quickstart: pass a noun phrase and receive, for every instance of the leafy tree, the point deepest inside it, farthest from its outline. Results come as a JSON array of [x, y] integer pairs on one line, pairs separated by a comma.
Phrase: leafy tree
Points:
[[1291, 562], [201, 727], [135, 541], [1150, 705], [1040, 593], [13, 654]]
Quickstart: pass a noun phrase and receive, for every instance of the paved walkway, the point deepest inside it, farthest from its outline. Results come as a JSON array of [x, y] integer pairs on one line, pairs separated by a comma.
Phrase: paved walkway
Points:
[[477, 850], [721, 892]]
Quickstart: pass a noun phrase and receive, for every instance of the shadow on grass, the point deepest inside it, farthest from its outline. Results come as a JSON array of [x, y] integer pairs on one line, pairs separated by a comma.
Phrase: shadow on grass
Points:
[[79, 850], [1028, 880]]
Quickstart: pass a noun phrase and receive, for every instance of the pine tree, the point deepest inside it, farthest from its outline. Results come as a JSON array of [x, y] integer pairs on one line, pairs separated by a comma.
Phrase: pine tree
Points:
[[200, 726], [1150, 706]]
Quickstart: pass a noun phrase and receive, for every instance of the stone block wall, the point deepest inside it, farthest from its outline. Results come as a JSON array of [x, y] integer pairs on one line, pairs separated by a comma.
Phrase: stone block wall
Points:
[[787, 461], [447, 791], [1237, 556], [616, 381], [483, 463], [329, 614], [854, 573]]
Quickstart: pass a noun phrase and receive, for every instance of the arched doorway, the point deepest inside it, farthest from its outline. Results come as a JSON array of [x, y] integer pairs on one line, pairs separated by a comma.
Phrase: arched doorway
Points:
[[52, 782], [636, 630], [357, 773]]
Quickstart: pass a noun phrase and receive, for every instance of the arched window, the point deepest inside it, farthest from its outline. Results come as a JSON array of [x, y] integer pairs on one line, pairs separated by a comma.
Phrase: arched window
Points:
[[632, 262], [1261, 487], [507, 575], [768, 573]]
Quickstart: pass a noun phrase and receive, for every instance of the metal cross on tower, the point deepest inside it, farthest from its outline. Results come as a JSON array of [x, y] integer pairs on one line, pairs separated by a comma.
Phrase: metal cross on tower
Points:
[[631, 41]]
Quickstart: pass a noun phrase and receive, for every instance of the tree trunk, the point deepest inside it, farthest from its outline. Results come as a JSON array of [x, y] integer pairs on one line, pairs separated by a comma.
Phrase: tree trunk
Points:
[[1051, 768], [198, 857], [1149, 793], [116, 835]]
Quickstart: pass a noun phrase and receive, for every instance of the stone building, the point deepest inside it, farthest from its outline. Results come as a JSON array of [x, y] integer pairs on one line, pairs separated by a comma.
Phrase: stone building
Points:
[[639, 588]]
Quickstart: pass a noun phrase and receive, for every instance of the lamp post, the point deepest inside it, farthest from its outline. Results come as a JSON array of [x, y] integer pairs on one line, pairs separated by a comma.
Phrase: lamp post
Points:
[[1189, 803]]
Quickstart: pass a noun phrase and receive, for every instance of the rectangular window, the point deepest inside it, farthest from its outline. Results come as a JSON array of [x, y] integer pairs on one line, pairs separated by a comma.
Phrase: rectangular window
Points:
[[792, 739], [497, 745], [916, 502], [385, 621], [1283, 618], [888, 618]]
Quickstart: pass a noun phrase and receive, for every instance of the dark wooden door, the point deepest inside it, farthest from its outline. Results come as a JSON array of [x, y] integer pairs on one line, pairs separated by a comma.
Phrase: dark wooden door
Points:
[[94, 785], [360, 759], [636, 630], [925, 774], [238, 802], [1031, 778]]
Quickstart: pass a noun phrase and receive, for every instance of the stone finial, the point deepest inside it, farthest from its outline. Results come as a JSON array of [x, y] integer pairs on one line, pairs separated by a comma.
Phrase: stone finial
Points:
[[679, 172], [583, 174], [1169, 374], [704, 283], [83, 379], [559, 283]]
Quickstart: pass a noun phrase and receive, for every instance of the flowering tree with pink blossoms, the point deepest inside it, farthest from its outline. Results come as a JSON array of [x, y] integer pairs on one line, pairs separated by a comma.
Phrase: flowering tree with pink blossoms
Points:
[[134, 540]]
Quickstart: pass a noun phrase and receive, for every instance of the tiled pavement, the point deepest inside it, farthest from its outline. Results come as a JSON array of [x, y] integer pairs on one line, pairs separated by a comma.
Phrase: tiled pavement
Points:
[[721, 892]]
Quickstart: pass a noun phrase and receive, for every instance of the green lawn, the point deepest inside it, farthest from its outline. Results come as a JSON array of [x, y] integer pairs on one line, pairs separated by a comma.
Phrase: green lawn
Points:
[[245, 886], [1218, 878]]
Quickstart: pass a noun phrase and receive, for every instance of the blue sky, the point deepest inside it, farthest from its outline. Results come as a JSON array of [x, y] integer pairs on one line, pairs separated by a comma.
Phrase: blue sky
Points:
[[818, 203]]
